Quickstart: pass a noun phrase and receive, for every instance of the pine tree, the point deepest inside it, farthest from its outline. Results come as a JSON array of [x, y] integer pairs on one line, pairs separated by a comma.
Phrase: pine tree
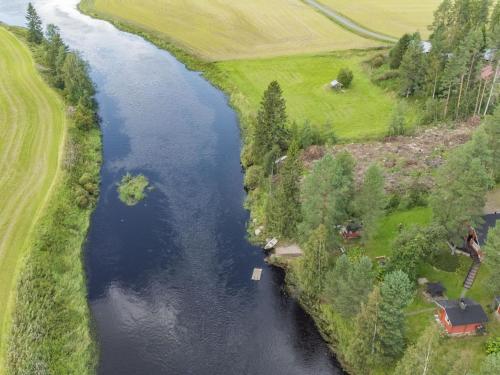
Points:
[[420, 358], [270, 127], [396, 292], [371, 200], [314, 263], [348, 284], [364, 349], [34, 24], [492, 250], [327, 194], [284, 209]]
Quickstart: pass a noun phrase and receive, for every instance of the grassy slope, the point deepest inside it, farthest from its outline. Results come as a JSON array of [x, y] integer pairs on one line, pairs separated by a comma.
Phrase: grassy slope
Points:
[[233, 29], [49, 330], [33, 125], [362, 111], [391, 17]]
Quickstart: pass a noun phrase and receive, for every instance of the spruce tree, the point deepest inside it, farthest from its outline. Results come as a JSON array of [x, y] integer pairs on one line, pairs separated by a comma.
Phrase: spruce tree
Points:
[[284, 208], [349, 284], [398, 51], [396, 292], [371, 200], [270, 127], [492, 250], [314, 263], [327, 194], [364, 351], [34, 24]]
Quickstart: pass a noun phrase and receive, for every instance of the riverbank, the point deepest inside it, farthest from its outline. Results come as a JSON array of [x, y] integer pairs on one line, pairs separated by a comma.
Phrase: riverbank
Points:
[[50, 328]]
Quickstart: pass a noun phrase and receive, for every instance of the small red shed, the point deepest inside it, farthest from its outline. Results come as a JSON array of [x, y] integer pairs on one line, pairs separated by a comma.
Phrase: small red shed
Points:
[[461, 317], [497, 305]]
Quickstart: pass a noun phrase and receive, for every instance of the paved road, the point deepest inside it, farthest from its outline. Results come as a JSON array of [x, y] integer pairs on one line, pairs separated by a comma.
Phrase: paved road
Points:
[[349, 24]]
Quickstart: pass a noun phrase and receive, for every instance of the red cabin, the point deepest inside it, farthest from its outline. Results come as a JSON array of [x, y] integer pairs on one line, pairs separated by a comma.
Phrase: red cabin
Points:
[[461, 317]]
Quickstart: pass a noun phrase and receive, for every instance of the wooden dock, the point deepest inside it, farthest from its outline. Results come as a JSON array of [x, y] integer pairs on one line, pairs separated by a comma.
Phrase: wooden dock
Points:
[[257, 273]]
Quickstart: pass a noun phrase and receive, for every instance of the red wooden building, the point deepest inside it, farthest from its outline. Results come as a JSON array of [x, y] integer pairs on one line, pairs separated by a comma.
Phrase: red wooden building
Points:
[[461, 317], [497, 305]]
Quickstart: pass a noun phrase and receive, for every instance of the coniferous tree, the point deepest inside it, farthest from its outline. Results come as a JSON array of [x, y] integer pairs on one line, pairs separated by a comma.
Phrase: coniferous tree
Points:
[[314, 263], [270, 127], [348, 284], [396, 292], [284, 208], [492, 250], [364, 349], [34, 23], [398, 51], [421, 358], [327, 194], [371, 200]]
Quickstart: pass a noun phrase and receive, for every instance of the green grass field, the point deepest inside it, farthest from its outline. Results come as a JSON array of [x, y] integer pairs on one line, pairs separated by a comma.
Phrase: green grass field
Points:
[[359, 112], [232, 29], [391, 17], [33, 125]]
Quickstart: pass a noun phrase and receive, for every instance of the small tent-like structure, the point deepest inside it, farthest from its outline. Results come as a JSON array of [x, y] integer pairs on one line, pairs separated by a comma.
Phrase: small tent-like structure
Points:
[[435, 289], [335, 84], [461, 317]]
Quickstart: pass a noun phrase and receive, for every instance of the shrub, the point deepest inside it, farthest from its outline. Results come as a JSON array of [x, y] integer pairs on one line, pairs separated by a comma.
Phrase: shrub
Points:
[[85, 179], [391, 74], [377, 61], [493, 345], [397, 126], [345, 77], [84, 117], [253, 177]]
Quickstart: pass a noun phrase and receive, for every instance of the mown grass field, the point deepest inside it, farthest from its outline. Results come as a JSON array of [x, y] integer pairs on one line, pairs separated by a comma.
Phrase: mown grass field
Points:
[[391, 17], [359, 112], [32, 127], [232, 29]]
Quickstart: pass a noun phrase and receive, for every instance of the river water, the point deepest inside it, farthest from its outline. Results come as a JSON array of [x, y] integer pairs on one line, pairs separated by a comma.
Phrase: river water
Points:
[[169, 279]]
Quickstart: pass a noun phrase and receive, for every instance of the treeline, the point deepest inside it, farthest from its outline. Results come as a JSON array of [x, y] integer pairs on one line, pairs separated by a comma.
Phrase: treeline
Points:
[[50, 331], [457, 70]]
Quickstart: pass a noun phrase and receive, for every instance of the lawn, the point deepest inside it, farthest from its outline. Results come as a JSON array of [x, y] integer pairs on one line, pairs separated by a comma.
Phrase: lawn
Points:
[[33, 126], [232, 29], [359, 112], [391, 17], [421, 312]]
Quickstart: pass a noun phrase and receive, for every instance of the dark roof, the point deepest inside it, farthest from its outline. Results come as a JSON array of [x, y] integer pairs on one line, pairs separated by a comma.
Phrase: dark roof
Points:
[[435, 289], [473, 312]]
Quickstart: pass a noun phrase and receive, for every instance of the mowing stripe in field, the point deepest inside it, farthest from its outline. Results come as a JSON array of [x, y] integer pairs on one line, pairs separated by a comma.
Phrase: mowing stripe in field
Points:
[[32, 132]]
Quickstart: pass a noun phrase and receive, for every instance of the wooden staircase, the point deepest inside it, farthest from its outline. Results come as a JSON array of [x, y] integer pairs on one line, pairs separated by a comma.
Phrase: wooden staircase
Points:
[[471, 275]]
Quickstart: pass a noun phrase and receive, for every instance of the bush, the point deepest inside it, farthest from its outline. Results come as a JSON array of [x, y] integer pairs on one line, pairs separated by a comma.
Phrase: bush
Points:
[[377, 61], [85, 179], [345, 77], [253, 177], [397, 126], [84, 117], [391, 74]]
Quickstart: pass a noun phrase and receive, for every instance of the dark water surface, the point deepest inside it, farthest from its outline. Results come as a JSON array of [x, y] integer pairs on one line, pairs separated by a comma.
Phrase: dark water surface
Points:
[[169, 279]]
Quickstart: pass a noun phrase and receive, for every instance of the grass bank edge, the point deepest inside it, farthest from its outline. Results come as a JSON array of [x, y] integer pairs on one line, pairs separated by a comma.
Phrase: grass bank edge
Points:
[[50, 294]]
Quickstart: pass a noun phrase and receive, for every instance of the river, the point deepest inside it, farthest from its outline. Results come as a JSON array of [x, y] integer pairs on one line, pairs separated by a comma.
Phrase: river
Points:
[[169, 279]]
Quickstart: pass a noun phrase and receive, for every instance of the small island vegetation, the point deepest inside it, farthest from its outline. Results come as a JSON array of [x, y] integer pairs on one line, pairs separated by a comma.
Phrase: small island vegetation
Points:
[[131, 189]]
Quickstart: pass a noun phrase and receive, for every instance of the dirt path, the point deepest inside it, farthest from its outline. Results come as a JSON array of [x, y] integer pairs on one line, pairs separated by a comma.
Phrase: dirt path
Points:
[[349, 24]]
